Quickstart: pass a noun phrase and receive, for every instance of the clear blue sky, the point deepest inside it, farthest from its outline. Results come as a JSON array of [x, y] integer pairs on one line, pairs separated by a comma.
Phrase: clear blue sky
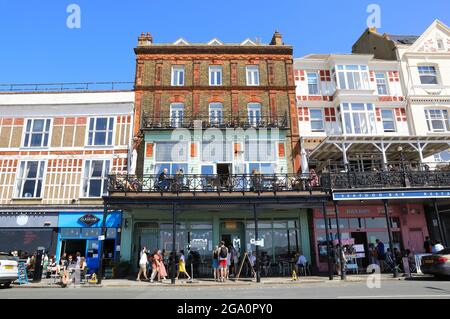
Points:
[[36, 45]]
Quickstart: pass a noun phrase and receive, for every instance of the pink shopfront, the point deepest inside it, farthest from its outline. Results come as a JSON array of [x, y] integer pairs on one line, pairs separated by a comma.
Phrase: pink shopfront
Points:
[[361, 225]]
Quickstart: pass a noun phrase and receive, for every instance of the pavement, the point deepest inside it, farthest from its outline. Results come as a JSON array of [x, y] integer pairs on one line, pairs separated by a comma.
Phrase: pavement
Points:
[[244, 282], [357, 287]]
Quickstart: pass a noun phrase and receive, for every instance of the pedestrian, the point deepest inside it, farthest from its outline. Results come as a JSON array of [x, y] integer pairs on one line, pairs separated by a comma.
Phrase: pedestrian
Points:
[[143, 261], [223, 254], [162, 267], [437, 247], [301, 263], [427, 245], [182, 266], [215, 263], [228, 263], [381, 253], [78, 258], [63, 271], [156, 261]]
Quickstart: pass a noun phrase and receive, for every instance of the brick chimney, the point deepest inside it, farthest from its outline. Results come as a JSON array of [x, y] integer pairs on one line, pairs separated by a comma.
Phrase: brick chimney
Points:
[[145, 39], [276, 39]]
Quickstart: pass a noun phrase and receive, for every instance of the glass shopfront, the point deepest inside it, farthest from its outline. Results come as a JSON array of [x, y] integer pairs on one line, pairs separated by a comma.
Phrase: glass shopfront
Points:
[[280, 240], [80, 231], [360, 227]]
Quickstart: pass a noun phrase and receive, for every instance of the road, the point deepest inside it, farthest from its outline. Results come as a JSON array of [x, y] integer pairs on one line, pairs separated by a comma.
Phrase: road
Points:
[[415, 289]]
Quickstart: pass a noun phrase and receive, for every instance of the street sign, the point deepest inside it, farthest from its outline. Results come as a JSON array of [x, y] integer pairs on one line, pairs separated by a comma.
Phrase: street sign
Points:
[[102, 237]]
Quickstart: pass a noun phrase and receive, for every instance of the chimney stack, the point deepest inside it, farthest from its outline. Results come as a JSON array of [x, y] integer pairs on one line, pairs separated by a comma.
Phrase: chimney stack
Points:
[[276, 39], [145, 39]]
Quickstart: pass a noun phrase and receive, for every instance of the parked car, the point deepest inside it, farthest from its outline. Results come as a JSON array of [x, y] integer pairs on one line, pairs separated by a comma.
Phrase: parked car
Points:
[[437, 264], [8, 269]]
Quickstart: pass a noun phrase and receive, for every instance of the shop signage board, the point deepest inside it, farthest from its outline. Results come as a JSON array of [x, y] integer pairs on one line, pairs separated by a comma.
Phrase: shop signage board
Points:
[[89, 219], [391, 195], [23, 276]]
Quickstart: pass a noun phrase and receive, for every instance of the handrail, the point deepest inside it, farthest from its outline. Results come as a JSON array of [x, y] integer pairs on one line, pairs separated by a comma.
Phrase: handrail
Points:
[[207, 183], [66, 86], [207, 121], [400, 179]]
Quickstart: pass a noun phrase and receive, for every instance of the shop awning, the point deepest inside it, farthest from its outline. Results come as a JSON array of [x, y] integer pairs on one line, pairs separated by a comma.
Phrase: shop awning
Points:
[[414, 148]]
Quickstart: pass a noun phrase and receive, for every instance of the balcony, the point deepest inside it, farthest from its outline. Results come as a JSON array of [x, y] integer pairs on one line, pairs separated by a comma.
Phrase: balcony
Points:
[[243, 184], [404, 179], [205, 121]]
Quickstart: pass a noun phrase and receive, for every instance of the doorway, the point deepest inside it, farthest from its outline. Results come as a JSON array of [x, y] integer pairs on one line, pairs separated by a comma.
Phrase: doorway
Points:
[[72, 246], [224, 171], [361, 239]]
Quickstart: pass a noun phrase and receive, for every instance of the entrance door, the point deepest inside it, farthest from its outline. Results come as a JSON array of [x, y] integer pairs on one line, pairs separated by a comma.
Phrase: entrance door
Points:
[[361, 239], [224, 171], [416, 240], [92, 251], [72, 246]]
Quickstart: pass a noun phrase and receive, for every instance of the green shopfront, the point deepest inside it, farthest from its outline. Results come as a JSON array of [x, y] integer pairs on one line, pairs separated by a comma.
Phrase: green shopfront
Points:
[[282, 233]]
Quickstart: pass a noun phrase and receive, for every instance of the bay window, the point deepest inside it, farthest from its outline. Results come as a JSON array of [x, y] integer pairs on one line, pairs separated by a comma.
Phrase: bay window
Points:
[[352, 77], [358, 118]]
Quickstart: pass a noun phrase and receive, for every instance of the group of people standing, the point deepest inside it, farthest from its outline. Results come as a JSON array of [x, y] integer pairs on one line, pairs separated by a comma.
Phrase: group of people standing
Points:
[[156, 261], [223, 260]]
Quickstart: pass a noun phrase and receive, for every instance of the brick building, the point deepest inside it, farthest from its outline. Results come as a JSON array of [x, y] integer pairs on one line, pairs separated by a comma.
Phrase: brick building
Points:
[[228, 110]]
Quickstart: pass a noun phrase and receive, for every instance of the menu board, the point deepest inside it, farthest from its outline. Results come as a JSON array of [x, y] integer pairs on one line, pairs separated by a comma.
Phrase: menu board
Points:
[[23, 275]]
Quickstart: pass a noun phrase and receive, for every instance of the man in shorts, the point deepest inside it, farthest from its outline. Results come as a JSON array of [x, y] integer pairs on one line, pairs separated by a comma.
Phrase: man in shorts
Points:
[[223, 258]]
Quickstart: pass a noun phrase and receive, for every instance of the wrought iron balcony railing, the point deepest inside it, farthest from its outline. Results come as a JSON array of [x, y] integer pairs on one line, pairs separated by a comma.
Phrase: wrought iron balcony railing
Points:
[[386, 179], [214, 183], [208, 121]]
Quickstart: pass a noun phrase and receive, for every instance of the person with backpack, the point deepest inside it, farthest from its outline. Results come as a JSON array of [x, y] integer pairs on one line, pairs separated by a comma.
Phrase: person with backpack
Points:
[[223, 257]]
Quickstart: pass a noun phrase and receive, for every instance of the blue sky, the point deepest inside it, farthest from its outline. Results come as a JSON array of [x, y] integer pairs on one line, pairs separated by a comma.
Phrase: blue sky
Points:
[[37, 46]]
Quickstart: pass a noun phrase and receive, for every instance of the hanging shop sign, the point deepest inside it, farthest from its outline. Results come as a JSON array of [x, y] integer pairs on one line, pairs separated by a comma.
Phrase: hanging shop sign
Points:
[[89, 219]]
